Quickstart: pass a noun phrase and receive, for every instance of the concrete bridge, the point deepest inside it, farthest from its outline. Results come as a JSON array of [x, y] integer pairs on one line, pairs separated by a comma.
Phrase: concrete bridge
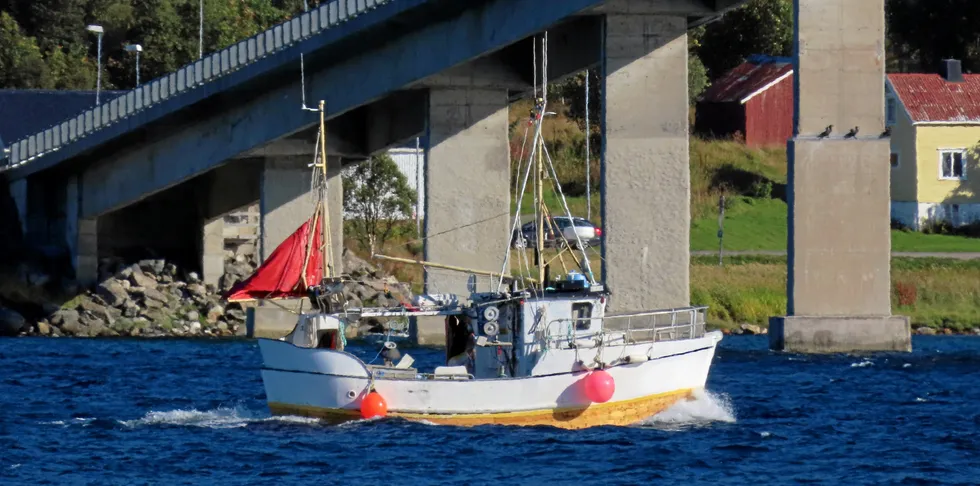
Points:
[[160, 165]]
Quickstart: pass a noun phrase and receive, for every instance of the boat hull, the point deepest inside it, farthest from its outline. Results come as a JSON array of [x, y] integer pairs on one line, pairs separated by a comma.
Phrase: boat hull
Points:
[[329, 385]]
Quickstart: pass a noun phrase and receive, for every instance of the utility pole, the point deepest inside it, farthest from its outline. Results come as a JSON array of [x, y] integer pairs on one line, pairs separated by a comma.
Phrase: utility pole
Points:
[[137, 49]]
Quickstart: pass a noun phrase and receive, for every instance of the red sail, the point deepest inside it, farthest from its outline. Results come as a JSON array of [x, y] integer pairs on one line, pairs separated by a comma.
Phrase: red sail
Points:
[[280, 277]]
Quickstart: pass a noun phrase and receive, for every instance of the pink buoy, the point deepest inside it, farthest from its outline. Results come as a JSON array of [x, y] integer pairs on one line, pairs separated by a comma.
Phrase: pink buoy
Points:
[[599, 386]]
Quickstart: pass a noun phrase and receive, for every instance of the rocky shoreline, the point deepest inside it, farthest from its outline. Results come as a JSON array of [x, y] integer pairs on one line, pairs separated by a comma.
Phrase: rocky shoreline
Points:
[[156, 298]]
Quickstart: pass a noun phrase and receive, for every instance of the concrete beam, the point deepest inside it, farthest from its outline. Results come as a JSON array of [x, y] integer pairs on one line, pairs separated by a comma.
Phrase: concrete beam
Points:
[[395, 120], [659, 7], [645, 170], [177, 153]]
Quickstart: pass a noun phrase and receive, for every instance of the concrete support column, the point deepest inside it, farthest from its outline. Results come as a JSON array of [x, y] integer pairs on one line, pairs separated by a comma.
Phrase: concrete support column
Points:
[[18, 192], [284, 200], [213, 250], [645, 170], [467, 174], [284, 205], [839, 277], [81, 236]]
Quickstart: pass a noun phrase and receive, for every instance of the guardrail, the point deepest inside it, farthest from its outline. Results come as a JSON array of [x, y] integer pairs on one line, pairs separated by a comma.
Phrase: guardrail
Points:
[[632, 328], [192, 75]]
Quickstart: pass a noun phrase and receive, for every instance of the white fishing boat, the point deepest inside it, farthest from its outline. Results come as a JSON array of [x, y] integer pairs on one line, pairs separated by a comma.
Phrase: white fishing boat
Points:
[[536, 351]]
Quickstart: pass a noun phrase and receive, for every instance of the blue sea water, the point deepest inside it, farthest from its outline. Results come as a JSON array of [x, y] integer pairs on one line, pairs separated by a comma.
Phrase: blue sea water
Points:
[[81, 411]]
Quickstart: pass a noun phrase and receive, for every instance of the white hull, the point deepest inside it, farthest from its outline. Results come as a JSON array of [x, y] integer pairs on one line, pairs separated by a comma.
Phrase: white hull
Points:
[[331, 384]]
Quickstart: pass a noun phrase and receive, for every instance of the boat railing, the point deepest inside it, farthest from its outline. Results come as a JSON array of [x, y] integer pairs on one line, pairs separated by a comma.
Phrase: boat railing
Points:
[[631, 328]]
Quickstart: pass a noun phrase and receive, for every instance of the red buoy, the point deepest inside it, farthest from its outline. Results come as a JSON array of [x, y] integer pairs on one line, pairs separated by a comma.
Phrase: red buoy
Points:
[[373, 406], [599, 386]]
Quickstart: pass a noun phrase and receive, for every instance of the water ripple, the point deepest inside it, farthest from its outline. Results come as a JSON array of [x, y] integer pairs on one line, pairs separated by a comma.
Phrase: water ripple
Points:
[[193, 412]]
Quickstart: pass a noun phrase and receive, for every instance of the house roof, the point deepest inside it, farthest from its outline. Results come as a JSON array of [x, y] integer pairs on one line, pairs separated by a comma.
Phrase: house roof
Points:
[[929, 98], [25, 112], [752, 77]]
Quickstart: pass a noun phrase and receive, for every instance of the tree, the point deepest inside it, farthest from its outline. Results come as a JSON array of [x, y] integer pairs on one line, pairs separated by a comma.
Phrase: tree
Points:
[[758, 27], [21, 63], [921, 34], [377, 195]]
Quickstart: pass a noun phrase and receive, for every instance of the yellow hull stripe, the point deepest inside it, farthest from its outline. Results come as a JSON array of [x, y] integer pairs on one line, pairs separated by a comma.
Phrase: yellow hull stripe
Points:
[[619, 413]]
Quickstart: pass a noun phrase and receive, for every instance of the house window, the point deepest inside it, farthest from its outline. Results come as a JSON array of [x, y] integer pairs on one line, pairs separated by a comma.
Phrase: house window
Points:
[[894, 160], [952, 164], [582, 313], [890, 112]]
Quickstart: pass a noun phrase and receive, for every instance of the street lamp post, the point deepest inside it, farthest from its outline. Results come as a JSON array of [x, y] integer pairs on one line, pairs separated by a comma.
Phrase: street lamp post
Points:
[[97, 30], [200, 29], [137, 49]]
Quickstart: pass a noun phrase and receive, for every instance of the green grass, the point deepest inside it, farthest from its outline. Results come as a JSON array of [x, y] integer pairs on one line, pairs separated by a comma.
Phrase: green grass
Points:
[[939, 293], [760, 224], [750, 224]]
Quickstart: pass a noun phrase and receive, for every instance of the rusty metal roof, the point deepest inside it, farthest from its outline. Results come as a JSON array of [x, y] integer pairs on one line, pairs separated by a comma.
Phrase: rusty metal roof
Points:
[[757, 74], [929, 98]]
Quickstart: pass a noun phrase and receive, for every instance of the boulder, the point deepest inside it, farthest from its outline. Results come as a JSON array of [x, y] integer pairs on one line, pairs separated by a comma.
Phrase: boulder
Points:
[[214, 313], [43, 328], [193, 277], [170, 269], [751, 329], [100, 312], [196, 290], [223, 326], [927, 331], [195, 327], [235, 315], [112, 292], [130, 309], [192, 316], [11, 322], [152, 266], [64, 316], [140, 279], [152, 294], [73, 328]]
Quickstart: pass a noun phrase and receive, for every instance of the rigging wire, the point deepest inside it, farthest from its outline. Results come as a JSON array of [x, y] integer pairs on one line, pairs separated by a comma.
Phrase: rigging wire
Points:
[[588, 152]]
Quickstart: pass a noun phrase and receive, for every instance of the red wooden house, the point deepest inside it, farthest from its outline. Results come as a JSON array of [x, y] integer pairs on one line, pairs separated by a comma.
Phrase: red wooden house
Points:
[[755, 100]]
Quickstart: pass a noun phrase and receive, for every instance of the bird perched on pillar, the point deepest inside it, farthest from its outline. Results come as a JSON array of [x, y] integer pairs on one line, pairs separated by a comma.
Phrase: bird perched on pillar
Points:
[[853, 133], [826, 132]]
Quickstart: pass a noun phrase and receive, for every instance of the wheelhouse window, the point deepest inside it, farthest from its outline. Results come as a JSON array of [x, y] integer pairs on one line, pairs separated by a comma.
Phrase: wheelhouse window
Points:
[[891, 104], [895, 160], [582, 313], [952, 164]]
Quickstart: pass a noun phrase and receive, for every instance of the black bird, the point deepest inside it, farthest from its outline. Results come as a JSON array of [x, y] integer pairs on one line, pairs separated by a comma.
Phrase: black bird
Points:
[[852, 133], [887, 132], [826, 132]]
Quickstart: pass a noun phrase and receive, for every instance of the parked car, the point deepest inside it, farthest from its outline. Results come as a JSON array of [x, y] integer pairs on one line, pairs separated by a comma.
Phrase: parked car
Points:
[[588, 233]]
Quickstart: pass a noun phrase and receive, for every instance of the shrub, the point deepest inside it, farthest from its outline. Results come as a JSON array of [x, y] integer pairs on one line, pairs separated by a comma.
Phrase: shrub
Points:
[[907, 293]]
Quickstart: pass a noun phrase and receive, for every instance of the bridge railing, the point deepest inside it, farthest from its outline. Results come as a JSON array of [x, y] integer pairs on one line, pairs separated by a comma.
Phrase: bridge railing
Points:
[[190, 76]]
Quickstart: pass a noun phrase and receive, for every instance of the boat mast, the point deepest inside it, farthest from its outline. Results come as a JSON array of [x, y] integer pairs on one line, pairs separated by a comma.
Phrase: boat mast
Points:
[[327, 244], [539, 201]]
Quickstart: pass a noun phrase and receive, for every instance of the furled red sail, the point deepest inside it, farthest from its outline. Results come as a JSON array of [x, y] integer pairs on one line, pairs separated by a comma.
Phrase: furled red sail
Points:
[[281, 276]]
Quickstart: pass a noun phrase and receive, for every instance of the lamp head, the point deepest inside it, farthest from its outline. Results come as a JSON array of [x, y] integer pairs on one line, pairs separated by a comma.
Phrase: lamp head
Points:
[[95, 29], [134, 48]]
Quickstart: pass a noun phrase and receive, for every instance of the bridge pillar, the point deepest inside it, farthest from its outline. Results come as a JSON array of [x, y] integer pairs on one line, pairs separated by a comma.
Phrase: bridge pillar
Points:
[[284, 204], [839, 277], [81, 236], [467, 178], [645, 169], [213, 250]]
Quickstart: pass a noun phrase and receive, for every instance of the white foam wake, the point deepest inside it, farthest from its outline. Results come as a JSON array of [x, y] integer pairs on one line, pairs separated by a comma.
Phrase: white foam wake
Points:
[[704, 408], [219, 418]]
